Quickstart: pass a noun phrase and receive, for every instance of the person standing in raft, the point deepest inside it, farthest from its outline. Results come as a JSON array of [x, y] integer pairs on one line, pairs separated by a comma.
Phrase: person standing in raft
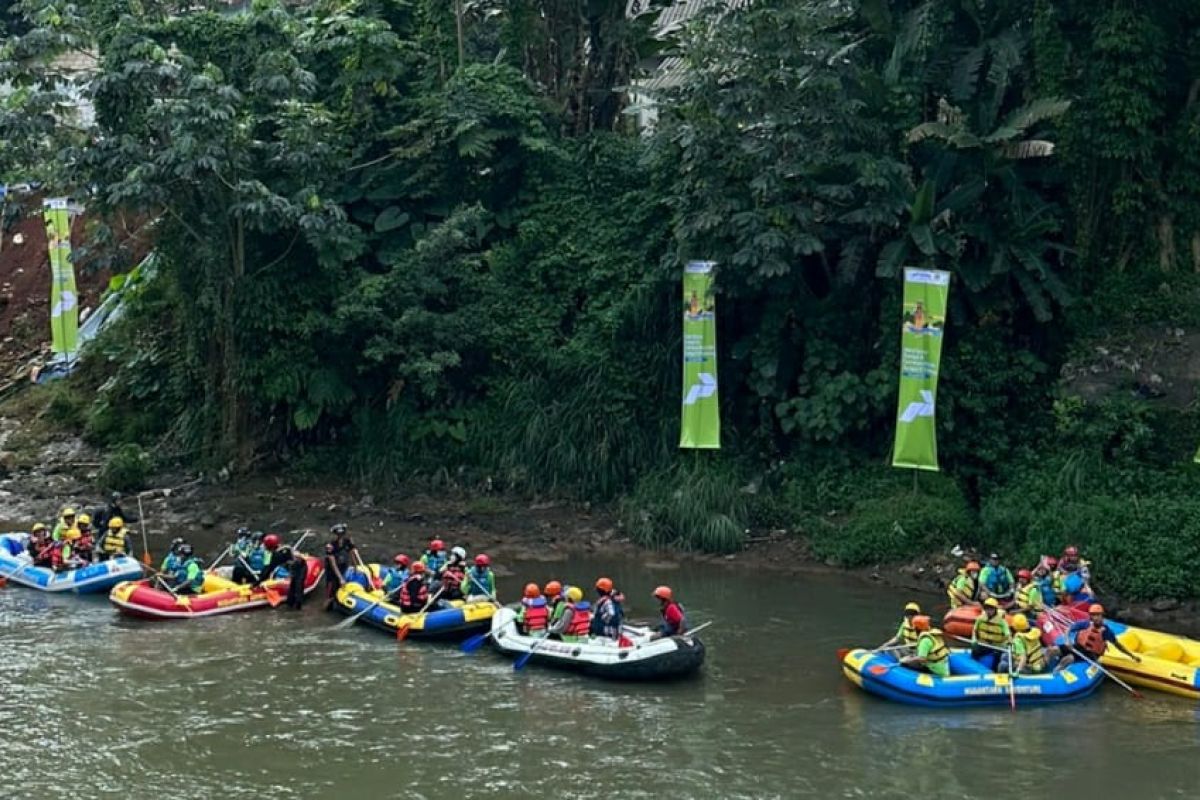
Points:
[[932, 655], [112, 509], [338, 555], [997, 581], [608, 615], [1091, 637], [674, 621], [964, 589], [573, 621], [293, 563], [189, 576], [906, 634], [991, 635], [114, 541], [414, 592]]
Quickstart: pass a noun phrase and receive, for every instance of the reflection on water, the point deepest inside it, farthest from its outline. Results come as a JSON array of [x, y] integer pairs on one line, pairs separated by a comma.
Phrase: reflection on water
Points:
[[238, 705]]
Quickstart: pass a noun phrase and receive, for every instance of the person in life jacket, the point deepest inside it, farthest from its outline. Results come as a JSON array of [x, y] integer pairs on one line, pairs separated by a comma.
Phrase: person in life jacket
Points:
[[1043, 576], [990, 635], [251, 558], [1029, 595], [572, 623], [114, 542], [395, 576], [674, 620], [534, 615], [932, 654], [85, 545], [1091, 637], [435, 557], [996, 580], [60, 554], [39, 537], [906, 635], [1072, 586], [414, 592], [453, 575], [243, 545], [607, 614], [170, 561], [556, 600], [291, 564], [480, 580], [66, 521], [189, 575], [1030, 657], [964, 589], [276, 557]]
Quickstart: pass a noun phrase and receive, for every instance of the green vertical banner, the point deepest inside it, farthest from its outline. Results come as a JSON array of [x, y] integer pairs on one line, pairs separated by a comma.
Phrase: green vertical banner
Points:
[[925, 293], [64, 304], [700, 423]]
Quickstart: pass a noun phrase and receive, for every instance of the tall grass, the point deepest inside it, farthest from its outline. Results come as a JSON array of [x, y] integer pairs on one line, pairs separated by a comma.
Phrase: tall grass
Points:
[[698, 504]]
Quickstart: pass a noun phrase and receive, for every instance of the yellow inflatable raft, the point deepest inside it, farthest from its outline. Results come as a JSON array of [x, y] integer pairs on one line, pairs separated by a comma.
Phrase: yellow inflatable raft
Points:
[[1168, 663]]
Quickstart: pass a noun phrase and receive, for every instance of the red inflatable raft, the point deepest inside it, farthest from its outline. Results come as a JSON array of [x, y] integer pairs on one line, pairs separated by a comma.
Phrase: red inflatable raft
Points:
[[148, 600], [960, 621]]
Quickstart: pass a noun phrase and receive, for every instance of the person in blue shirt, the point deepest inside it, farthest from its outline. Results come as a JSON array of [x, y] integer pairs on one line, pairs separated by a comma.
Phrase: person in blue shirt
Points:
[[434, 558], [189, 575], [240, 551], [997, 581], [607, 614], [170, 562], [480, 579], [395, 576], [1090, 637]]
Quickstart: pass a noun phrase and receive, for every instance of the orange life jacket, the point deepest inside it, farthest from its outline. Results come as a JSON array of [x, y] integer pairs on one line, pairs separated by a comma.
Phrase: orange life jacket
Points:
[[581, 619], [1091, 639], [536, 616]]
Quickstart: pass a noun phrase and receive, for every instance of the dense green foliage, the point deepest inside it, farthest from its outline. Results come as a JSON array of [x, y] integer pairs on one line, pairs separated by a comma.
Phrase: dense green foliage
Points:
[[422, 239]]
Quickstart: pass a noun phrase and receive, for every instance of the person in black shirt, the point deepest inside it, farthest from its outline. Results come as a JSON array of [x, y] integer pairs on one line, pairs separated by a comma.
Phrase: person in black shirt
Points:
[[338, 558], [296, 566], [113, 509]]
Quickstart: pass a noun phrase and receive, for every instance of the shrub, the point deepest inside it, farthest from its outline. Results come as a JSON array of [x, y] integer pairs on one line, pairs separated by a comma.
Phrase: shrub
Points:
[[125, 470], [64, 406], [698, 505]]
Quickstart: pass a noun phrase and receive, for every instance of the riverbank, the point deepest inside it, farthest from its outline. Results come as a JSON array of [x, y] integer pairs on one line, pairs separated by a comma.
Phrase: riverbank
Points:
[[42, 468]]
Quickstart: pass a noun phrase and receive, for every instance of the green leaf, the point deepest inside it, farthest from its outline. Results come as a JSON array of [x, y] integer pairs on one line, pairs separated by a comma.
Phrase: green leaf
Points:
[[922, 207], [390, 219], [922, 236], [891, 258]]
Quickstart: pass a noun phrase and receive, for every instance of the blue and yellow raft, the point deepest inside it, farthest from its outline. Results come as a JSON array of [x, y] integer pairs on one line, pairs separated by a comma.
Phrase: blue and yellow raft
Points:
[[459, 621], [970, 683]]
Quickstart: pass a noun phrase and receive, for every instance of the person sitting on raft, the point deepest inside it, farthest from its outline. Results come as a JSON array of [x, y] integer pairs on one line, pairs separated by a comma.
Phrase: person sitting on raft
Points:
[[480, 580], [1030, 657], [414, 592], [991, 634], [906, 636], [189, 575], [534, 615], [452, 577], [395, 576], [932, 655], [996, 580], [674, 620], [292, 564], [608, 615], [964, 589], [434, 558], [85, 545], [114, 542], [239, 551], [66, 521], [572, 622], [39, 540], [1090, 637], [1072, 582], [1043, 576], [1029, 595], [276, 559], [556, 600]]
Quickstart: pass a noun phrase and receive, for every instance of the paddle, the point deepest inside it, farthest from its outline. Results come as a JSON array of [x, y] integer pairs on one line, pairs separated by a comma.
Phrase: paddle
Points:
[[1120, 682], [348, 621], [1012, 681], [371, 579], [273, 598], [296, 547], [402, 631], [162, 581], [217, 560], [476, 642], [520, 663], [146, 560]]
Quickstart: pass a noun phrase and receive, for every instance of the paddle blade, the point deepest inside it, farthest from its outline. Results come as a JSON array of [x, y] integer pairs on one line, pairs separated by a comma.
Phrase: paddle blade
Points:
[[402, 633], [842, 653], [3, 582], [522, 661], [273, 598], [475, 642], [146, 558]]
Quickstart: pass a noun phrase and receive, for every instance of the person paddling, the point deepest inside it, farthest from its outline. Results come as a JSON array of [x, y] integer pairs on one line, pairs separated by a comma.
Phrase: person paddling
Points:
[[674, 621], [932, 654], [906, 634], [480, 580], [189, 576], [964, 589], [533, 616], [414, 592], [1091, 637]]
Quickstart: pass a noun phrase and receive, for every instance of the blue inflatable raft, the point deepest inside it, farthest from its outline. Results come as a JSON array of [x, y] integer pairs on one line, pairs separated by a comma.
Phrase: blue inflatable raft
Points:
[[18, 568], [970, 683], [459, 621]]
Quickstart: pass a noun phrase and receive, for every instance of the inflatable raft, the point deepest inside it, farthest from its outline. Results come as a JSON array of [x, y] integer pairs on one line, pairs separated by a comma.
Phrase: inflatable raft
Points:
[[459, 621], [17, 567], [960, 622], [1169, 663], [147, 599], [645, 660], [970, 683]]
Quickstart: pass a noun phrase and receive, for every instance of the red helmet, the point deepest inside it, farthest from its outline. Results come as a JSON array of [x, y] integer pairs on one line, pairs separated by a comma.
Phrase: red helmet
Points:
[[401, 560], [663, 593], [271, 541], [604, 585], [418, 568], [1024, 573], [482, 560], [437, 545], [1071, 551], [972, 565], [1051, 562], [532, 590]]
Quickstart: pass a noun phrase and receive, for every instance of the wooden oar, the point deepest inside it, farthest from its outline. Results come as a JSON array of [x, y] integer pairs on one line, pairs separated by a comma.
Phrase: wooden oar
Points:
[[146, 560], [402, 631]]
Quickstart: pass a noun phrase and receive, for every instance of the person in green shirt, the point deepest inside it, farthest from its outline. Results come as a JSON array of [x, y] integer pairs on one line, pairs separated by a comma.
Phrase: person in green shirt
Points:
[[1029, 595], [932, 654], [65, 523], [991, 635], [906, 634], [964, 589]]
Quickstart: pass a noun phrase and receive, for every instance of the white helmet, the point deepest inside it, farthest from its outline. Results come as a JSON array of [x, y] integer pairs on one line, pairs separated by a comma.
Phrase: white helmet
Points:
[[459, 553]]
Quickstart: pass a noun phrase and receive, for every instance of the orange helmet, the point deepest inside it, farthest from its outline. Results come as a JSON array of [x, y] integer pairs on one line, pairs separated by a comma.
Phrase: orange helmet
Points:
[[604, 585], [418, 568], [921, 622], [553, 589], [1095, 608], [663, 593], [532, 590], [972, 565]]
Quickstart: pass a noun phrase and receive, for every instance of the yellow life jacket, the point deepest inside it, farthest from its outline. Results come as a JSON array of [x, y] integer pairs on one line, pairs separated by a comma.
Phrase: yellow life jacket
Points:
[[992, 630], [1060, 587], [910, 634], [1035, 654], [969, 587], [939, 653], [113, 541], [1026, 599]]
